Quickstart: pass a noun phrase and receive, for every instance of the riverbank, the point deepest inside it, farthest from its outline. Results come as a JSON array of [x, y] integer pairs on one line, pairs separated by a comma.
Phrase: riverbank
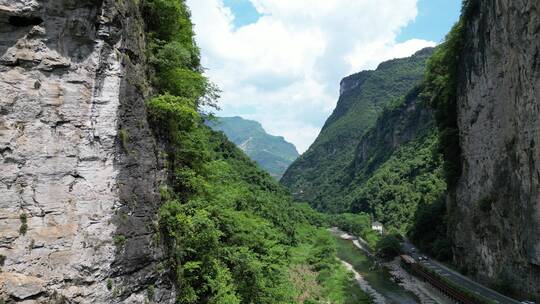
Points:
[[423, 293], [376, 297]]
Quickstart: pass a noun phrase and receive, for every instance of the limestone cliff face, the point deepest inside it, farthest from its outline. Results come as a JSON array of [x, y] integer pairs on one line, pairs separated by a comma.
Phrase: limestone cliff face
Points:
[[78, 165], [497, 211], [394, 128]]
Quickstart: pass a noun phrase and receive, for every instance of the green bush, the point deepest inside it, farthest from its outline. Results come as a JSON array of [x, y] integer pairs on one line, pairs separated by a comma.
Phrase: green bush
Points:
[[24, 224], [172, 114], [440, 90], [119, 240], [358, 225], [124, 139], [174, 54], [429, 230], [389, 246], [169, 20], [150, 292], [183, 82]]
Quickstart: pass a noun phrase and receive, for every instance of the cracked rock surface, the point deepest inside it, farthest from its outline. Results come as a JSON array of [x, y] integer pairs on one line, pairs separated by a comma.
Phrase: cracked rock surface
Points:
[[77, 203], [496, 220]]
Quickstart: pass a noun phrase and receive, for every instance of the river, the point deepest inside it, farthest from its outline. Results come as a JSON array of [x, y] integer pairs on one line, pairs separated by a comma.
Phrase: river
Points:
[[378, 278]]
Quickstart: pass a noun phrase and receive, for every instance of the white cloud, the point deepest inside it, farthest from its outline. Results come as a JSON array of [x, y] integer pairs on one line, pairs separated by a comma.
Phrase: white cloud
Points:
[[284, 70]]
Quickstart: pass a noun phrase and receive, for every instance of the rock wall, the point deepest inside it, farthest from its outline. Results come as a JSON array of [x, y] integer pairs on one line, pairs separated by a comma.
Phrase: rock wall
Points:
[[79, 167], [496, 218], [317, 176], [406, 122]]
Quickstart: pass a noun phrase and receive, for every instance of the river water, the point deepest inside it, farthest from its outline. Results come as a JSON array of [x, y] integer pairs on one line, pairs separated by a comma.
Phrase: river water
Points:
[[377, 277]]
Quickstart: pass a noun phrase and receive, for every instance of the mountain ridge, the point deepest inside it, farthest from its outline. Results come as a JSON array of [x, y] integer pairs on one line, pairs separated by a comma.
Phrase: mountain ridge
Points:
[[314, 175], [273, 153]]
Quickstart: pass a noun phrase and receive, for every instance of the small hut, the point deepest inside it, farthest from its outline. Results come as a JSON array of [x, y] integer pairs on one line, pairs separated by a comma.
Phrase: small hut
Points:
[[377, 226]]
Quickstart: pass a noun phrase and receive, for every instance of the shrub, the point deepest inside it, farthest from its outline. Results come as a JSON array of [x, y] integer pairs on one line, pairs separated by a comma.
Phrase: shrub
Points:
[[183, 82], [429, 231], [124, 139], [109, 284], [440, 91], [172, 113], [150, 291], [506, 284], [187, 181], [24, 224], [119, 240], [174, 54], [170, 20], [389, 246], [356, 224], [228, 226]]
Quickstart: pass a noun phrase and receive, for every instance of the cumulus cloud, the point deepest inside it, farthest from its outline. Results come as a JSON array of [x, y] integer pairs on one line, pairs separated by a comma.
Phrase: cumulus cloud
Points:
[[284, 70]]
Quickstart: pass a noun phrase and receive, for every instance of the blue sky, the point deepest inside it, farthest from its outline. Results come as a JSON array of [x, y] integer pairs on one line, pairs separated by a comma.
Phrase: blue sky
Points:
[[434, 20], [280, 62], [244, 12]]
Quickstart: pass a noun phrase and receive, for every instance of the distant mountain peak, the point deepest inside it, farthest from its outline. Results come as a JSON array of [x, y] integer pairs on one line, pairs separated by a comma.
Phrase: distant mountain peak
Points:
[[272, 153]]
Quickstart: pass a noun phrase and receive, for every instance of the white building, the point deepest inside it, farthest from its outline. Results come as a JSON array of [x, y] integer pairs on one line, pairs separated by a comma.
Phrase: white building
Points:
[[377, 227]]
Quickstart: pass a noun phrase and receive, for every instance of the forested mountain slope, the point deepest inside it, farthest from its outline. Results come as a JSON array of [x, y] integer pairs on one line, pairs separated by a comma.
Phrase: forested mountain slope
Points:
[[397, 167], [391, 170], [318, 175], [117, 192], [272, 153]]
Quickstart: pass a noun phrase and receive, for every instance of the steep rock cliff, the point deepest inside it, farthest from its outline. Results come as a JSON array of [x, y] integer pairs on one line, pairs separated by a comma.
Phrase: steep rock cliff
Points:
[[496, 209], [318, 175], [397, 168], [79, 173], [396, 126]]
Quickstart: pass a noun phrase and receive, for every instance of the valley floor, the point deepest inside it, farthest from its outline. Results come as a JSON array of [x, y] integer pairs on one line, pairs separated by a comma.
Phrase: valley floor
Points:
[[357, 257]]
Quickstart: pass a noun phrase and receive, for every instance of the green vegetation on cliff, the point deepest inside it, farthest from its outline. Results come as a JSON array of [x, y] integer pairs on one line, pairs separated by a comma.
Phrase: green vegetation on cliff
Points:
[[318, 175], [232, 233], [392, 172], [272, 153], [441, 92]]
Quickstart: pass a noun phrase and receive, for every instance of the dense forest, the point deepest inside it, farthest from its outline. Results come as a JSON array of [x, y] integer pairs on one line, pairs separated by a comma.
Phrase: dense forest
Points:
[[317, 176], [234, 235], [391, 168]]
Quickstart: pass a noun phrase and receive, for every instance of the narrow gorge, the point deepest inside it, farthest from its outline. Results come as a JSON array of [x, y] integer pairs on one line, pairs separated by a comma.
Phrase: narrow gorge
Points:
[[119, 183]]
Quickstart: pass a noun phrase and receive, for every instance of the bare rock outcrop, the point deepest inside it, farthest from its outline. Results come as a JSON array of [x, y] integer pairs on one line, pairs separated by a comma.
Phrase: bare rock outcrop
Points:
[[79, 170], [496, 216]]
